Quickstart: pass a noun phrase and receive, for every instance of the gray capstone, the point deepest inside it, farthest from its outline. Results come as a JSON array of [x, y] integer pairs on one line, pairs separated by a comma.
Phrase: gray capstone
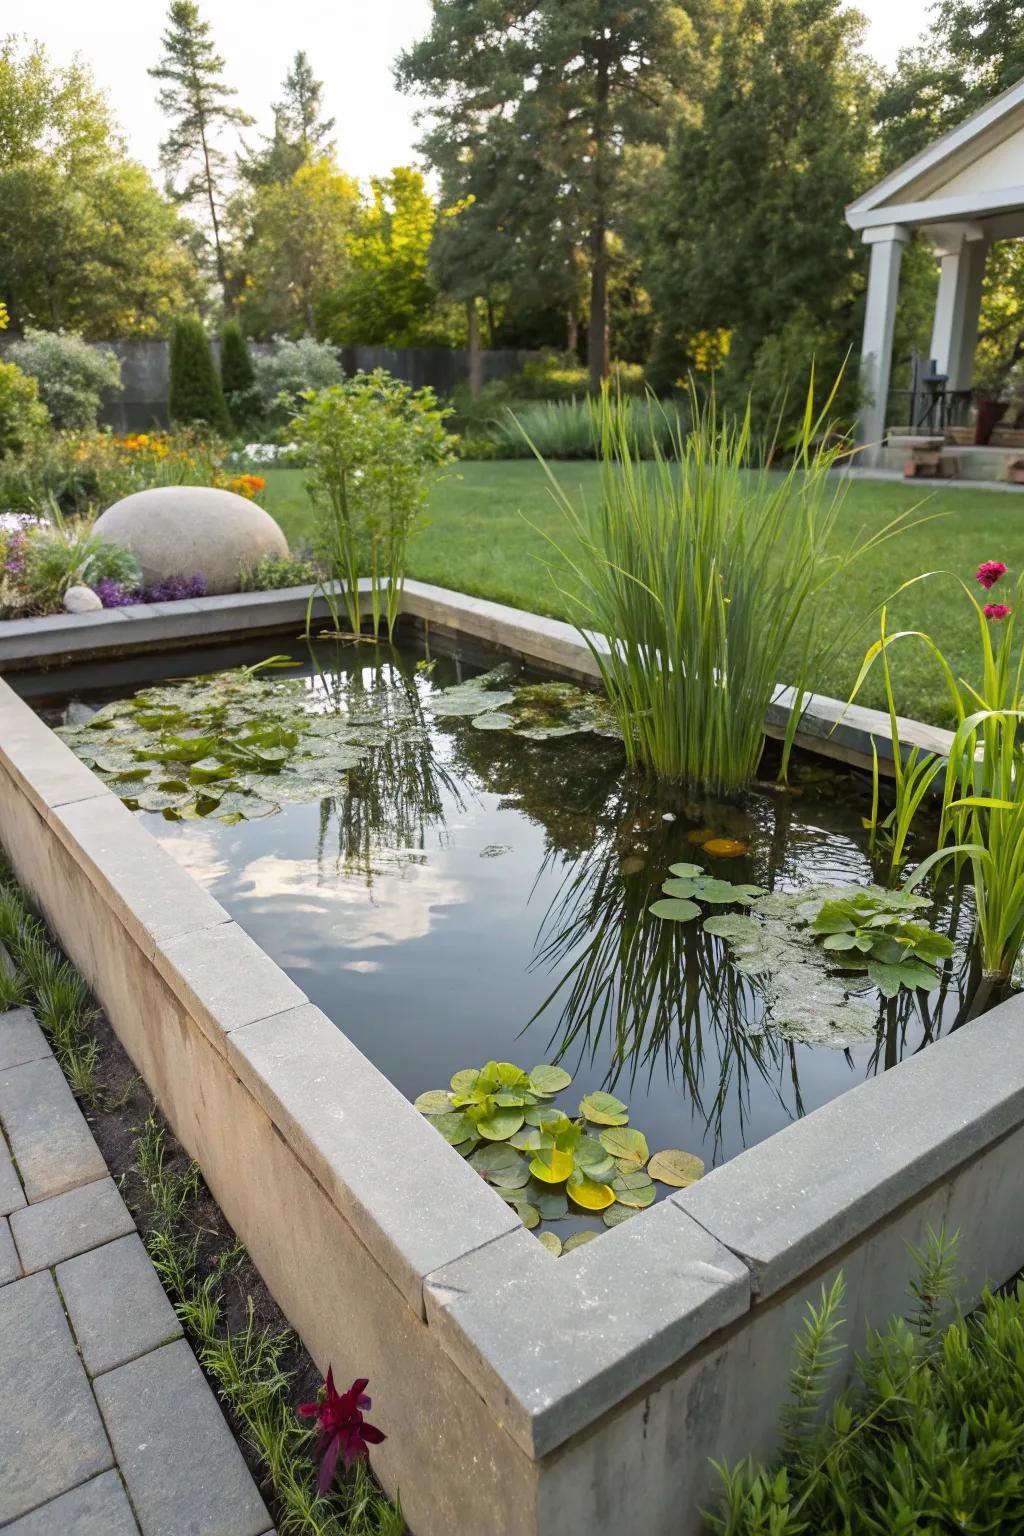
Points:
[[81, 600], [188, 530]]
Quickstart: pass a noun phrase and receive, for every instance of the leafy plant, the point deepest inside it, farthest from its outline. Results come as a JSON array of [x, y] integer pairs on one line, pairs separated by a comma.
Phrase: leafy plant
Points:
[[72, 375], [273, 572], [929, 1438], [691, 884], [863, 931], [982, 823], [692, 581], [195, 389], [541, 1161], [71, 554], [292, 370], [237, 376], [373, 447], [23, 416]]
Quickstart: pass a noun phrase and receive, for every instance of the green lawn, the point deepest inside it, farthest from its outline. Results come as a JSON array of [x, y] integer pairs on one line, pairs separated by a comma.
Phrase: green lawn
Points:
[[480, 540]]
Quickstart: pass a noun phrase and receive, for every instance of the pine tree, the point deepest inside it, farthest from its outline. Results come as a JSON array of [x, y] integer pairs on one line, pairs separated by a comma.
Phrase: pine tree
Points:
[[553, 90], [197, 101], [237, 376], [300, 134], [195, 394]]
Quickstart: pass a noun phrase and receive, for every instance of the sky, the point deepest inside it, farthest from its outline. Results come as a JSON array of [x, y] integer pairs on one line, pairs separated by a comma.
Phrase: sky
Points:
[[351, 44]]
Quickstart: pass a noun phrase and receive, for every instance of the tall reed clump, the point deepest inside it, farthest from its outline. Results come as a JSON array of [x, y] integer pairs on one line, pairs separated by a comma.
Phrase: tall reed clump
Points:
[[982, 824], [695, 575]]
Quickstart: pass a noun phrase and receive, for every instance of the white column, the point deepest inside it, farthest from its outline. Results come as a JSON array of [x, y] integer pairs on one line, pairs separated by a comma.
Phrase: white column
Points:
[[958, 305], [886, 242]]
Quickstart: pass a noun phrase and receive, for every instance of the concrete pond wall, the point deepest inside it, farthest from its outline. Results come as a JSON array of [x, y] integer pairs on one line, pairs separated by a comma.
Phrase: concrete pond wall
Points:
[[521, 1394]]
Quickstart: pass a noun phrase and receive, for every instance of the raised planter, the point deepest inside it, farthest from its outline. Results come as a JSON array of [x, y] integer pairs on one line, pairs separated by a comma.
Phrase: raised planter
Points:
[[521, 1393]]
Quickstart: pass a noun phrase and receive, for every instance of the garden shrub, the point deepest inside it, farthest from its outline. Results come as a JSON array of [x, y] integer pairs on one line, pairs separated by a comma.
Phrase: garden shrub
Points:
[[23, 416], [292, 370], [71, 375], [276, 571], [928, 1439], [195, 393], [70, 554], [373, 446], [79, 471], [238, 380]]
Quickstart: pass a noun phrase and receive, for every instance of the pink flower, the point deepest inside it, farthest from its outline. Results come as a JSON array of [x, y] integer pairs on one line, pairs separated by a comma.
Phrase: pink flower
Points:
[[989, 572], [996, 611], [342, 1427]]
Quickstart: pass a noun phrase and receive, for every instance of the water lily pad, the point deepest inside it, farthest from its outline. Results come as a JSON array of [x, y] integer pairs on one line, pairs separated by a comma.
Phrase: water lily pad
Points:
[[510, 1178], [494, 720], [626, 1146], [495, 1157], [589, 1195], [616, 1214], [578, 1240], [500, 1124], [528, 1214], [732, 925], [592, 1158], [552, 1166], [604, 1109], [434, 1102], [463, 1082], [454, 1127], [686, 871], [680, 1169], [552, 1242], [549, 1080], [674, 910], [634, 1189], [553, 1204]]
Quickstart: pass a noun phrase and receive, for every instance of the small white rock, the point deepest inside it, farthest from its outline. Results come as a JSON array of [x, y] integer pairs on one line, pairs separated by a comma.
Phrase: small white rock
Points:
[[81, 600], [668, 816]]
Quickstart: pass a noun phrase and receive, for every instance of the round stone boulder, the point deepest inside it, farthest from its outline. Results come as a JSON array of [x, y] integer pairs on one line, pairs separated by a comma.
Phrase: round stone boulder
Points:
[[190, 530], [81, 600]]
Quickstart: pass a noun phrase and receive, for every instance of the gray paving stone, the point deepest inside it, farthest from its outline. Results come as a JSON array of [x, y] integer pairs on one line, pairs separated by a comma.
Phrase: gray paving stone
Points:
[[179, 1460], [11, 1193], [51, 1435], [97, 1508], [116, 1304], [57, 1229], [21, 1039], [10, 1269], [47, 1131]]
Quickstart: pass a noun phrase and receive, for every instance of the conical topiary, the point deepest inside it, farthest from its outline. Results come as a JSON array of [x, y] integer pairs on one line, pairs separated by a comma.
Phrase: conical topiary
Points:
[[195, 394], [236, 373]]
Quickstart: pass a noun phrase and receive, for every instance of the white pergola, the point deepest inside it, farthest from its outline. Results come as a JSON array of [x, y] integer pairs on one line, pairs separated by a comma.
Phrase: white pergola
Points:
[[965, 191]]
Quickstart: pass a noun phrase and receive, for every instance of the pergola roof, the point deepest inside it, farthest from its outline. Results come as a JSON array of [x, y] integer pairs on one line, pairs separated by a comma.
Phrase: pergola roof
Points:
[[973, 174]]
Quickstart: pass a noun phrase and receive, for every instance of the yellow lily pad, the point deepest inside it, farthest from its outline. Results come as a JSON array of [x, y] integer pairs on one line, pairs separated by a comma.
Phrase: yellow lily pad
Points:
[[553, 1166], [591, 1196], [679, 1169]]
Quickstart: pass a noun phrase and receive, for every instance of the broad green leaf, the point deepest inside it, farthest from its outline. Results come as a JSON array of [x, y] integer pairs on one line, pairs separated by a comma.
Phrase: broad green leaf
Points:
[[553, 1204], [841, 941], [552, 1242], [434, 1102], [510, 1178], [679, 1169], [454, 1127], [603, 1109], [616, 1214], [626, 1146], [732, 925], [675, 911], [577, 1240], [528, 1214], [548, 1080], [639, 1196], [592, 1158], [683, 889], [495, 1157], [686, 871], [463, 1082], [500, 1124]]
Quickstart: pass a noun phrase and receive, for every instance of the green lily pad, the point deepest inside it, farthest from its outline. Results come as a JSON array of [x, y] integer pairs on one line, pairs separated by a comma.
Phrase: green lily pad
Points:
[[604, 1109], [495, 1157], [686, 871], [626, 1146], [673, 910], [732, 925], [552, 1242], [578, 1239], [528, 1214], [454, 1127], [494, 720], [549, 1080], [500, 1124], [434, 1102], [553, 1204], [592, 1157], [616, 1214]]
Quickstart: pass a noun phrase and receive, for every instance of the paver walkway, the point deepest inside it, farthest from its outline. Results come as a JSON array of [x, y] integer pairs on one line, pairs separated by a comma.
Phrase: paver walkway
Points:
[[107, 1424]]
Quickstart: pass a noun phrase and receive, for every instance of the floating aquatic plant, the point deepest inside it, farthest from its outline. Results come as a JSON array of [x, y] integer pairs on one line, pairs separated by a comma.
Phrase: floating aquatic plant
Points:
[[543, 1162], [535, 711]]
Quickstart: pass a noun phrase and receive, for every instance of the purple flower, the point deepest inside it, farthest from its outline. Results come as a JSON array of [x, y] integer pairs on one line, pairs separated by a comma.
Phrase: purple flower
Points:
[[175, 589], [113, 595], [342, 1427]]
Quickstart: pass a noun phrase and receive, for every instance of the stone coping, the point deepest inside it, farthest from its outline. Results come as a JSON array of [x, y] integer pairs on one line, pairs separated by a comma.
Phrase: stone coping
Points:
[[549, 1345], [828, 726]]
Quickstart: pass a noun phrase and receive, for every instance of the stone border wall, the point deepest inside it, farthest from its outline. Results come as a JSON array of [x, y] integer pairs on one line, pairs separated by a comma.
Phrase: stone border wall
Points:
[[828, 726], [582, 1395]]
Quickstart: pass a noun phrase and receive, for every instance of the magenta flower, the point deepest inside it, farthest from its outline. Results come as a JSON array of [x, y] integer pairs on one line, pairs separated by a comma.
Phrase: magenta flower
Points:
[[989, 572], [996, 611], [342, 1427]]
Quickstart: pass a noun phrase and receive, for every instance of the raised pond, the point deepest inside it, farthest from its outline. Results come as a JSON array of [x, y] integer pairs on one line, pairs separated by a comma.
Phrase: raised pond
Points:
[[451, 891]]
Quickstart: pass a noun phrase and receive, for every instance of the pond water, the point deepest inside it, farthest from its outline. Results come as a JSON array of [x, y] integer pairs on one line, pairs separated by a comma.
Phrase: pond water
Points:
[[467, 894]]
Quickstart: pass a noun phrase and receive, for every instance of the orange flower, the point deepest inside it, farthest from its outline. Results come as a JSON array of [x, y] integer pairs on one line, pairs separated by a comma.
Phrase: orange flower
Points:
[[247, 485]]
